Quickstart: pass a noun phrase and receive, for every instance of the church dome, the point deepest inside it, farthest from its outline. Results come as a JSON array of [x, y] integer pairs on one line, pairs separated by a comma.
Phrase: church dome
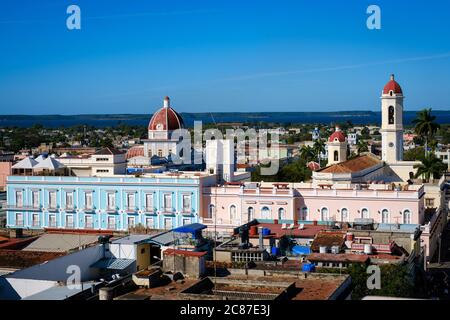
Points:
[[337, 135], [393, 86], [166, 118]]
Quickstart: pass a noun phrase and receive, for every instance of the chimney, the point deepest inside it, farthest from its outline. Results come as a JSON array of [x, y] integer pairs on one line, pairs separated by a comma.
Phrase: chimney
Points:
[[166, 102]]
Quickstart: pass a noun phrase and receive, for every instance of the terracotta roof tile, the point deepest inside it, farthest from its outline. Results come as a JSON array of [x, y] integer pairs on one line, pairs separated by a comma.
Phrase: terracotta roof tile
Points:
[[353, 165]]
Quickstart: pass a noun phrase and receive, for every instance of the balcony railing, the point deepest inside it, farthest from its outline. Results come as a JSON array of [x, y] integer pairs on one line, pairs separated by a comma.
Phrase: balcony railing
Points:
[[22, 207], [187, 211]]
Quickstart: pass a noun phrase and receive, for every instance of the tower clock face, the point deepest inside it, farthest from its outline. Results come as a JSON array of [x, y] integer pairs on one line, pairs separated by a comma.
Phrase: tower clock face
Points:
[[391, 144]]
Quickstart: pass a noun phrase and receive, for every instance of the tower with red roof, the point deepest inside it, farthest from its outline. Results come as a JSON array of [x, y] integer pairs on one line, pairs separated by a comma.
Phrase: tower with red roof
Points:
[[337, 147], [392, 122]]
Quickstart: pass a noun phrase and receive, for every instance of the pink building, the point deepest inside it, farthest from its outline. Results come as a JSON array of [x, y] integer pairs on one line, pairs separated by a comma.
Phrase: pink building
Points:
[[5, 170], [301, 202]]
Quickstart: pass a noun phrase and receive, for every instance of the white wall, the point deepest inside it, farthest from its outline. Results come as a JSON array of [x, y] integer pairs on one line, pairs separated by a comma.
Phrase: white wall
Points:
[[123, 251]]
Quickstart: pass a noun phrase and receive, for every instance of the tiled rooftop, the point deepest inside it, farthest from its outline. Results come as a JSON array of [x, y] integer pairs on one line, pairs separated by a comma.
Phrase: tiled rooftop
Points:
[[353, 165]]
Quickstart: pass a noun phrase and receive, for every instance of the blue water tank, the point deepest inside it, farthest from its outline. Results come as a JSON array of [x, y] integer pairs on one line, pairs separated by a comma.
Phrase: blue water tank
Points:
[[276, 251], [308, 267]]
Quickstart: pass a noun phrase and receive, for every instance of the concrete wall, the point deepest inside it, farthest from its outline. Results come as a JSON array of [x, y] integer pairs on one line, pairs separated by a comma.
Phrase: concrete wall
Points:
[[5, 170], [187, 265]]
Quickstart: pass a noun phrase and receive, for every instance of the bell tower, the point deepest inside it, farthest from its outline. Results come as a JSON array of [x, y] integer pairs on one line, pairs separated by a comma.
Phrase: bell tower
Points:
[[337, 147], [392, 122]]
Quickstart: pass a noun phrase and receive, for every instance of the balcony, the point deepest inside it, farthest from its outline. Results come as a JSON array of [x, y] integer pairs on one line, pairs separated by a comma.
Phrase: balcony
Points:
[[70, 209], [132, 209], [24, 208], [168, 211], [89, 209], [112, 209], [187, 212], [150, 210]]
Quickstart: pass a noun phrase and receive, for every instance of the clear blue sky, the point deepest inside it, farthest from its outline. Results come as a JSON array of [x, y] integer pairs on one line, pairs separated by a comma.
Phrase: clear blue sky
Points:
[[251, 55]]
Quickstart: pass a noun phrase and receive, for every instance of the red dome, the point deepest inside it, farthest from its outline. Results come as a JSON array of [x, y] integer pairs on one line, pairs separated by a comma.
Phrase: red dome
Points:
[[393, 86], [338, 134], [166, 118]]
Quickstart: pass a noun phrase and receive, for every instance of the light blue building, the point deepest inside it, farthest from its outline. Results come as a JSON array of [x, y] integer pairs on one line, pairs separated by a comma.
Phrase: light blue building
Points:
[[158, 201]]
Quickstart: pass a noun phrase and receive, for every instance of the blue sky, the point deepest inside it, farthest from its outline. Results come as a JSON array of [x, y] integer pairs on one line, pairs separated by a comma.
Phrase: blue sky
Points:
[[211, 55]]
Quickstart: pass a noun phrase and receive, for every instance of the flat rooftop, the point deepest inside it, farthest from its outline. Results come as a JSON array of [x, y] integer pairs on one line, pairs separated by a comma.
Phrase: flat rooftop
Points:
[[313, 287]]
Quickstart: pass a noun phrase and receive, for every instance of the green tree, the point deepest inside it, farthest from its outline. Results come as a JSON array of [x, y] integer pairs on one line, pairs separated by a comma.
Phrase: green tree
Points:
[[362, 146], [425, 126], [430, 167], [318, 148], [413, 154], [306, 153]]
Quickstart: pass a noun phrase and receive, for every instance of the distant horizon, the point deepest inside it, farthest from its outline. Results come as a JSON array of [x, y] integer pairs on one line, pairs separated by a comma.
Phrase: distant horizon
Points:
[[214, 112], [141, 119]]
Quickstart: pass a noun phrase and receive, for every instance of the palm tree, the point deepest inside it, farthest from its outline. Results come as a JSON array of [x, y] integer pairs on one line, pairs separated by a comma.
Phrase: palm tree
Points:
[[307, 153], [425, 126], [362, 146], [319, 147], [431, 167]]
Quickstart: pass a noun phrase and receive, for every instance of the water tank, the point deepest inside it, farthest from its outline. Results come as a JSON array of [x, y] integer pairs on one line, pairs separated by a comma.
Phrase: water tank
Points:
[[106, 293], [350, 236], [323, 249], [276, 251], [253, 230], [308, 267], [368, 249]]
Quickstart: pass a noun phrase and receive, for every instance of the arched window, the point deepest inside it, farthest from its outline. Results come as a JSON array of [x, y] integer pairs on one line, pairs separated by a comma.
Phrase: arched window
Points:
[[407, 216], [250, 213], [304, 213], [233, 212], [344, 215], [384, 216], [336, 155], [211, 210], [324, 214], [281, 215], [365, 213], [265, 213], [391, 115]]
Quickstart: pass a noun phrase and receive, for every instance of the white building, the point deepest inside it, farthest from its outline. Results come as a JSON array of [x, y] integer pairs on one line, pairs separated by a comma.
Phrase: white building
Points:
[[105, 162]]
